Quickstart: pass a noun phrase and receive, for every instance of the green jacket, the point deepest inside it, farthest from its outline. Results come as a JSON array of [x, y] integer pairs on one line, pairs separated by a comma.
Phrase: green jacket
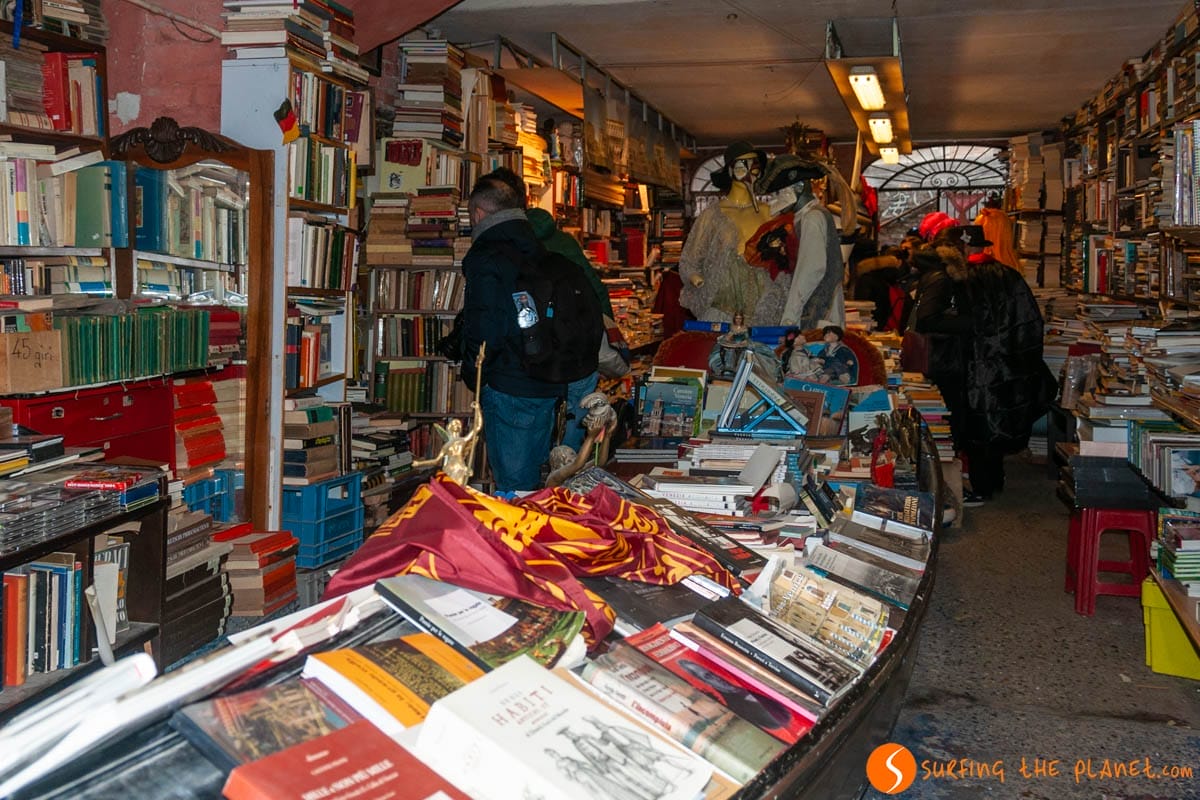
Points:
[[554, 240]]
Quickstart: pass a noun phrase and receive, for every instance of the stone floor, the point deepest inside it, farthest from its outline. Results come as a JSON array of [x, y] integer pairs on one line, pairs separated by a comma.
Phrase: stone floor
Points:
[[1007, 671]]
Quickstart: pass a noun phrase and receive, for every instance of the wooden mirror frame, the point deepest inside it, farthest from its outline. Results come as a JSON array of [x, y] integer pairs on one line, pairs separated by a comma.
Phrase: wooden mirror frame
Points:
[[166, 145]]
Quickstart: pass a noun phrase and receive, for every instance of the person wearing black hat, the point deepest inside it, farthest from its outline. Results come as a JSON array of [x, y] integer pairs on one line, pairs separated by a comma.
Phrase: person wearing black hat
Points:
[[717, 281], [976, 245], [815, 297]]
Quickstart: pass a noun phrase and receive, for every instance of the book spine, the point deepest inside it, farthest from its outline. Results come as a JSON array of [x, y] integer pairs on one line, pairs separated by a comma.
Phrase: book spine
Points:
[[16, 628], [775, 665]]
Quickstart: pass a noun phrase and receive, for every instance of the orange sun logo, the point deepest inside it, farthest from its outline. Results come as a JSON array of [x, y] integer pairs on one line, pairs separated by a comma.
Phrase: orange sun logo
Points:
[[891, 768]]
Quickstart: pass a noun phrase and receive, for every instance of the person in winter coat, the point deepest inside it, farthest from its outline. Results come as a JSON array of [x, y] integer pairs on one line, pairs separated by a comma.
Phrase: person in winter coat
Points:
[[558, 241], [518, 410], [989, 366]]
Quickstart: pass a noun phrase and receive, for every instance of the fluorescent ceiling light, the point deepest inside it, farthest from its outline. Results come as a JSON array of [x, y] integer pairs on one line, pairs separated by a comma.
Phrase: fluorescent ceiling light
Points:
[[865, 84], [889, 154], [881, 128]]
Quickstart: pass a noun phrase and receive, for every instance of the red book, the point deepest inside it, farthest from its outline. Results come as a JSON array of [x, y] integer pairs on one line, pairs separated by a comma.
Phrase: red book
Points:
[[233, 532], [262, 542], [358, 761], [16, 627], [119, 479]]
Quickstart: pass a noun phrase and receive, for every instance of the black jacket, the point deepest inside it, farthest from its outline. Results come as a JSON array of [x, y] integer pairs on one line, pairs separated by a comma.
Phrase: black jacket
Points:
[[489, 313], [1008, 384]]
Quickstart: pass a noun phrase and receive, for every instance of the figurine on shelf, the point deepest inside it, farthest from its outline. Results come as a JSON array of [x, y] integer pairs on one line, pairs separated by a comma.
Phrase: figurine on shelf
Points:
[[458, 452], [599, 422]]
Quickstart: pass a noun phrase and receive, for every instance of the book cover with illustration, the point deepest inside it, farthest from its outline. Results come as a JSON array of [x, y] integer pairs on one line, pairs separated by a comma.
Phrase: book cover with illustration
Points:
[[394, 682], [250, 725], [524, 731], [488, 629], [779, 710], [794, 656], [670, 409], [661, 699], [895, 510], [833, 408]]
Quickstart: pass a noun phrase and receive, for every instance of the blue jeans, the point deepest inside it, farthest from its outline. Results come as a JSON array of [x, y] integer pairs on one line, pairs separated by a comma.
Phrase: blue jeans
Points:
[[517, 431], [574, 432]]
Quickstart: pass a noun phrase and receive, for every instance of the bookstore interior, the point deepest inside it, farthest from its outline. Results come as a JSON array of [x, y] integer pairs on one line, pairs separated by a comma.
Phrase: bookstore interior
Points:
[[249, 523]]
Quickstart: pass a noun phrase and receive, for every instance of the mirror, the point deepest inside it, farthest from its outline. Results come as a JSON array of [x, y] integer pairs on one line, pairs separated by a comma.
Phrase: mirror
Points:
[[199, 207]]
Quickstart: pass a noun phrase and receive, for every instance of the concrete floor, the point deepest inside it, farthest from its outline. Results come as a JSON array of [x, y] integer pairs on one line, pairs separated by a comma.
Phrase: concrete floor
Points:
[[1006, 670]]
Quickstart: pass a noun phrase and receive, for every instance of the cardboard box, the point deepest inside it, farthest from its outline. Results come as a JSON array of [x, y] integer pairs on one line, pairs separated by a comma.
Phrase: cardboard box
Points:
[[30, 362]]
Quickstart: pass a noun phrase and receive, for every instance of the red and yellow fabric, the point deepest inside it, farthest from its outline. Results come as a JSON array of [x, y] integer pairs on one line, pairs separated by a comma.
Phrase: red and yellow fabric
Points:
[[534, 549]]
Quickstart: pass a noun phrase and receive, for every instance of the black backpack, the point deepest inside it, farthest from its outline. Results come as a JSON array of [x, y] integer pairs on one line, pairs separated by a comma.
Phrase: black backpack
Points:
[[561, 343]]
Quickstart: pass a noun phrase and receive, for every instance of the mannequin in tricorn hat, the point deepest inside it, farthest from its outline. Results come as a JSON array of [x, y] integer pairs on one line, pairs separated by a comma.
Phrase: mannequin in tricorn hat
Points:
[[717, 281], [815, 297]]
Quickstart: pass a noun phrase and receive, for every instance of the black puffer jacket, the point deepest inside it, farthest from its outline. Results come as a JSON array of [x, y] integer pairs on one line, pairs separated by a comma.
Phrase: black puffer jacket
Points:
[[1008, 384], [488, 310]]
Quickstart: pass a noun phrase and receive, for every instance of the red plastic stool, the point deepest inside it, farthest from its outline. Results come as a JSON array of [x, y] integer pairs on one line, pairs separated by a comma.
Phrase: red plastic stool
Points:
[[1083, 554]]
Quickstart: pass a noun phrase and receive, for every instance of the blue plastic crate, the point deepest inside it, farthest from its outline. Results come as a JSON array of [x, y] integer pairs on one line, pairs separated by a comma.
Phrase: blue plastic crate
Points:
[[318, 532], [309, 551], [232, 498], [207, 495], [321, 500], [329, 552]]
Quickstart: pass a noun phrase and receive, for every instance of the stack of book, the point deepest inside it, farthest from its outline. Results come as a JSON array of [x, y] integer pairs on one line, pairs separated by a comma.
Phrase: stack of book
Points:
[[257, 30], [226, 335], [262, 571], [197, 599], [387, 243], [433, 225], [1179, 551], [706, 495], [21, 447], [429, 96], [311, 441], [199, 436], [133, 487], [230, 407]]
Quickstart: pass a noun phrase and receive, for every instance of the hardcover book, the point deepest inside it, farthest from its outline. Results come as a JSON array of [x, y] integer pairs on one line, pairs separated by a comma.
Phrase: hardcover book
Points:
[[792, 655], [905, 551], [845, 621], [523, 731], [845, 564], [643, 605], [777, 709], [394, 682], [249, 725], [666, 702], [357, 762], [895, 510], [487, 629]]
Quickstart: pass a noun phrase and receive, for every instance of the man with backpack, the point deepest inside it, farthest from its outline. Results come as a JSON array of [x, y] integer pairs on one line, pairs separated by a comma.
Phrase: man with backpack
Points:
[[541, 322]]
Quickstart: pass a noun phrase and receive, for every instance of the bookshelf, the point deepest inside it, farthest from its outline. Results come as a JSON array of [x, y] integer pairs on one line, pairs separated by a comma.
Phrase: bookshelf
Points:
[[313, 246], [1130, 211], [144, 594]]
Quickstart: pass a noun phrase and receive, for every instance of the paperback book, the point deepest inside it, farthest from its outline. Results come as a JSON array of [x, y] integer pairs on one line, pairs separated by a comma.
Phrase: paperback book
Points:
[[635, 683], [524, 731], [487, 629], [794, 656], [394, 682], [731, 679], [895, 510]]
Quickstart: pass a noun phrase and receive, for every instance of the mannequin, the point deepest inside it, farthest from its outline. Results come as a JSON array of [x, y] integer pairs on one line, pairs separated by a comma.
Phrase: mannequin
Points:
[[815, 297], [717, 281]]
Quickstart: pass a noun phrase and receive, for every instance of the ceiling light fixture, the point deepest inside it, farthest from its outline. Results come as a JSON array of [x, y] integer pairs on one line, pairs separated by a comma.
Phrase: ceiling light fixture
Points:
[[881, 128], [889, 154], [864, 63], [865, 84]]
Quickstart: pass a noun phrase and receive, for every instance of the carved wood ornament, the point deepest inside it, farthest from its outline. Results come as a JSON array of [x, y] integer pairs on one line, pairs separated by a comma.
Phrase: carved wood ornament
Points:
[[165, 141]]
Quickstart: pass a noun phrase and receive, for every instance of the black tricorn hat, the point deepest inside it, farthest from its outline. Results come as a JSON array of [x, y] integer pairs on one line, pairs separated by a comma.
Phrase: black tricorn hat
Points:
[[785, 170], [973, 236]]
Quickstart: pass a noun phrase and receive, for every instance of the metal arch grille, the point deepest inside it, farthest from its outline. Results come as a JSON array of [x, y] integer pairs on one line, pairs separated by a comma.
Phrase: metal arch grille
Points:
[[941, 167], [702, 177]]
